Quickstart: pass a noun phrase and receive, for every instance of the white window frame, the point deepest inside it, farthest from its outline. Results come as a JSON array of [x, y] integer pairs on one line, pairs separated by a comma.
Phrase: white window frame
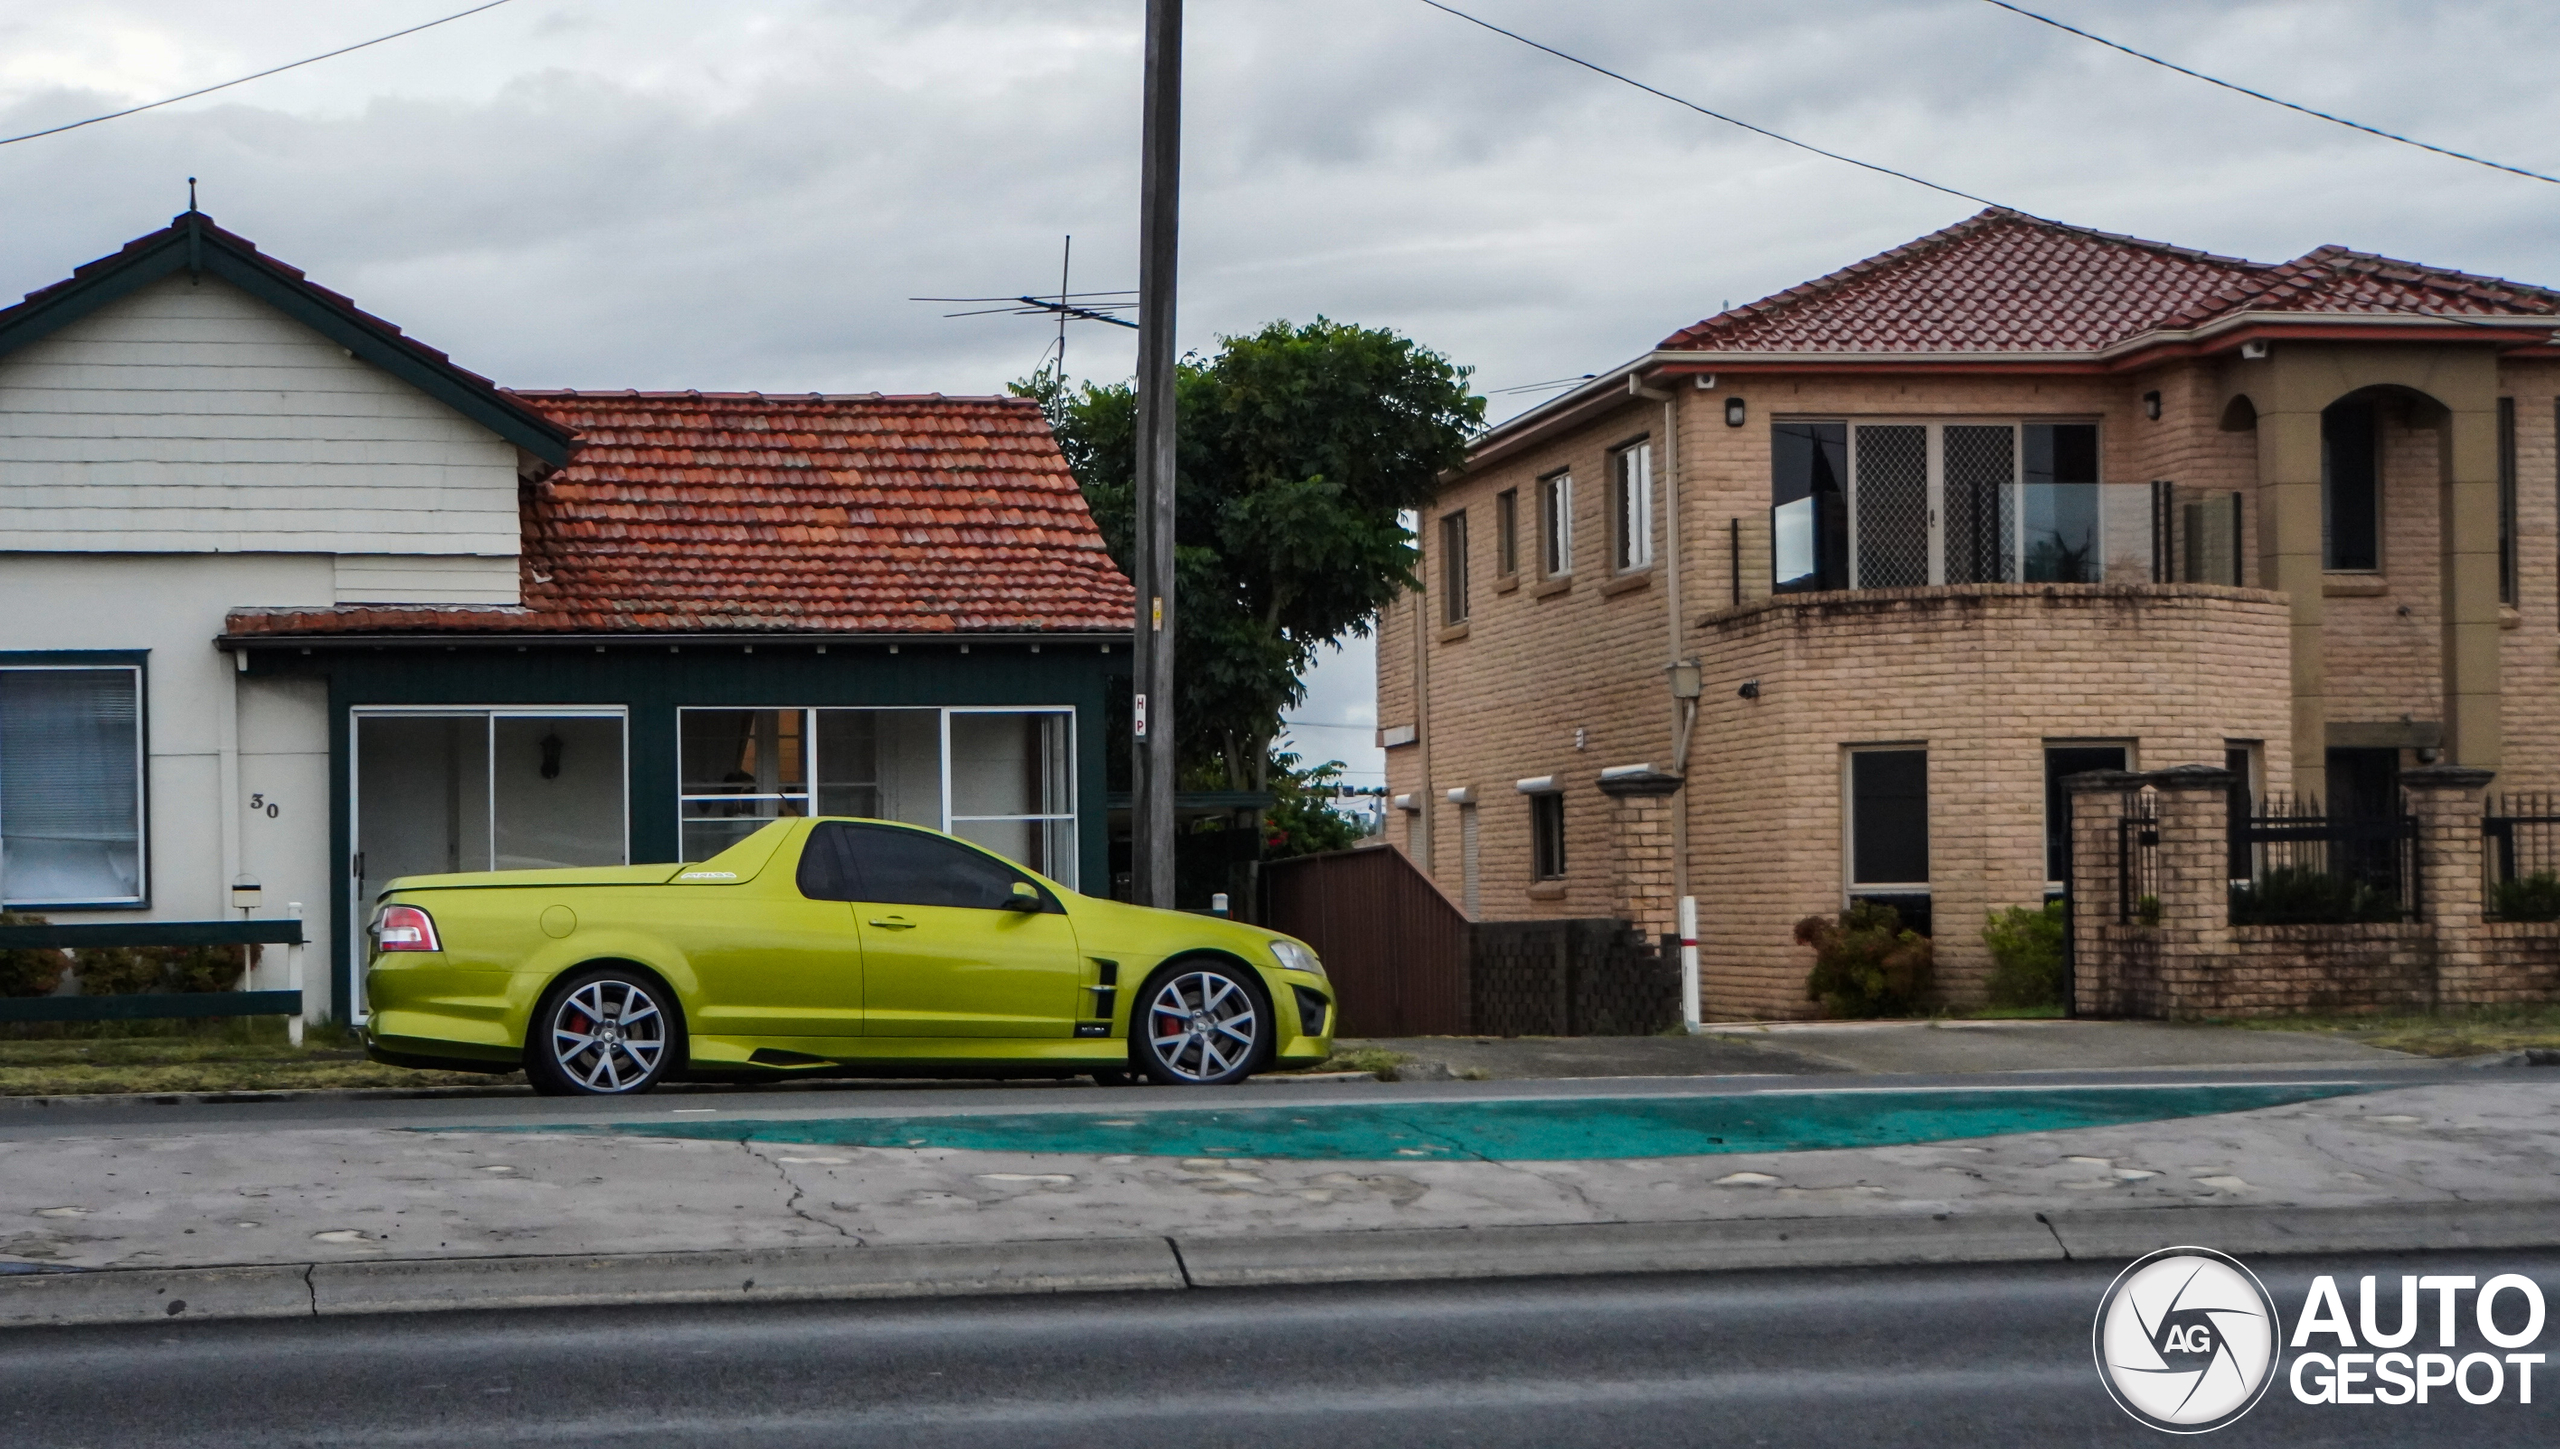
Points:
[[1555, 526], [1631, 511], [360, 912], [141, 899], [1935, 435], [811, 766]]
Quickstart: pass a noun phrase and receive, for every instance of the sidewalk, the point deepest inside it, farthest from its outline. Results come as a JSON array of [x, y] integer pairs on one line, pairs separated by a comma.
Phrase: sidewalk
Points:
[[473, 1216]]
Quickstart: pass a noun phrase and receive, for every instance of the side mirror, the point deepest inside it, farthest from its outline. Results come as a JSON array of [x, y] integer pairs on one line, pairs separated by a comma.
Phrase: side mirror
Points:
[[1025, 897]]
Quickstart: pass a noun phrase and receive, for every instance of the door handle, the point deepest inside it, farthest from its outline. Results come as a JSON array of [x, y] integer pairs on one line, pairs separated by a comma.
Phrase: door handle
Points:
[[893, 923]]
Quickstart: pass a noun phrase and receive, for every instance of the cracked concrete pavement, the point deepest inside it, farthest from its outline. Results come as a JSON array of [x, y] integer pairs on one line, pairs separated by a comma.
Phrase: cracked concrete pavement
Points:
[[103, 1199]]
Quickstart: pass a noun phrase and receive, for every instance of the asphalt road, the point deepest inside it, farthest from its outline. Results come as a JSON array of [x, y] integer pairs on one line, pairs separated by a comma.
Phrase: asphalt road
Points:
[[1978, 1356]]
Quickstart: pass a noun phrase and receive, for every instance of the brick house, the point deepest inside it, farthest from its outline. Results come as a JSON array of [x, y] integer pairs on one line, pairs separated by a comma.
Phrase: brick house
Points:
[[1822, 597]]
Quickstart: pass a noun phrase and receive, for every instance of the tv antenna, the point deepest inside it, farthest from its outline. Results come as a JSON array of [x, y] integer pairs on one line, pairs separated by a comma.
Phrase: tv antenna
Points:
[[1067, 306]]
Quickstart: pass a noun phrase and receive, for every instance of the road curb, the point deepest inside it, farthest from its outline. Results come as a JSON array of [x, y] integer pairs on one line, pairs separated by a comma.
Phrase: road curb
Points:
[[295, 1290]]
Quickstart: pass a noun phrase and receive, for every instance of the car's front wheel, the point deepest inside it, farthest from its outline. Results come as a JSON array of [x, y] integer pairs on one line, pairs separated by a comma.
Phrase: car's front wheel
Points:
[[604, 1031], [1202, 1024]]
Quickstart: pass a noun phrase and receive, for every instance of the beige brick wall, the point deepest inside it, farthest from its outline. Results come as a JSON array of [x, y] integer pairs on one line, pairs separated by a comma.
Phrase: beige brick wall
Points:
[[1568, 682]]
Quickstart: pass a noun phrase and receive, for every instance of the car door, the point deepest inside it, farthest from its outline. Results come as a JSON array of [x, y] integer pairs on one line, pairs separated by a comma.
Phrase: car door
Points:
[[946, 949], [776, 965]]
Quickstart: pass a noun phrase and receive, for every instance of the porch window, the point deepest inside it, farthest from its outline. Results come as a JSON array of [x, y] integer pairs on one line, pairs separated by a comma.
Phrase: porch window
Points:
[[1003, 778], [1555, 526], [1632, 518], [2350, 490], [1888, 830], [71, 796]]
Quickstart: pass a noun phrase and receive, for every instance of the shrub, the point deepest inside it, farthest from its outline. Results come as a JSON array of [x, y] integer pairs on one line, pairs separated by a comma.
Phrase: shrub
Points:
[[1865, 963], [2299, 895], [2026, 955], [33, 971], [2534, 898], [134, 970]]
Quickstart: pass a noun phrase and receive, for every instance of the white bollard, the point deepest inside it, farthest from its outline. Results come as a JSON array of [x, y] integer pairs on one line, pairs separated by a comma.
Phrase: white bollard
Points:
[[293, 977], [1689, 963]]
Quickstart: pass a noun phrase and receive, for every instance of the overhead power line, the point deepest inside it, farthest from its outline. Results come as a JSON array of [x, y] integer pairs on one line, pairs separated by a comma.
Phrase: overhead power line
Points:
[[1717, 115], [244, 80], [2271, 100]]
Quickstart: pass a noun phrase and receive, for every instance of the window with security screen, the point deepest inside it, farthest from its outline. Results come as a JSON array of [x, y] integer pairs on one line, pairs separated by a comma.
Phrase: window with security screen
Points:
[[1897, 505]]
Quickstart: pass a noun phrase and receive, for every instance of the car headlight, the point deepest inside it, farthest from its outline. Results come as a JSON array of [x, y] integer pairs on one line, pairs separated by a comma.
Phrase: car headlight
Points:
[[1294, 957]]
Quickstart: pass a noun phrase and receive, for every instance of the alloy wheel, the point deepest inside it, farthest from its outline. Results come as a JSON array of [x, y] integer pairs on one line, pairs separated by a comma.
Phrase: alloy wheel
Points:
[[1203, 1026], [608, 1035]]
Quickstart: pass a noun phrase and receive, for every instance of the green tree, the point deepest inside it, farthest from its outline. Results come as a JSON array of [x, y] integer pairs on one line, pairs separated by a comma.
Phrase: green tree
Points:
[[1297, 448]]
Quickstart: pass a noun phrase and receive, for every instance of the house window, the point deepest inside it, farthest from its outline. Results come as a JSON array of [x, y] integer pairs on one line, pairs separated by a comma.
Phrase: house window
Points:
[[1009, 784], [1631, 516], [2061, 762], [1888, 830], [1453, 568], [1546, 835], [71, 794], [2350, 489], [1935, 503], [1506, 532], [1555, 526], [1808, 489], [2507, 590]]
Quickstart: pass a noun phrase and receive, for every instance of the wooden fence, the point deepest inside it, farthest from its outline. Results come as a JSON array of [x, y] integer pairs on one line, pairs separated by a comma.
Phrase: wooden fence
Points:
[[1394, 944]]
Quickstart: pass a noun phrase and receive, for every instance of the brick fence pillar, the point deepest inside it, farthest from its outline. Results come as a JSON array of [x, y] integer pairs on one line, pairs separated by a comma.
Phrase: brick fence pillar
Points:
[[2448, 801], [2098, 969], [2192, 878], [1640, 847]]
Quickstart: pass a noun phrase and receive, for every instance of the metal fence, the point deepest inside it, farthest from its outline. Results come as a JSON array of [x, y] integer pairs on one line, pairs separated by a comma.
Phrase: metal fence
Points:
[[2520, 858], [2138, 861], [2306, 866]]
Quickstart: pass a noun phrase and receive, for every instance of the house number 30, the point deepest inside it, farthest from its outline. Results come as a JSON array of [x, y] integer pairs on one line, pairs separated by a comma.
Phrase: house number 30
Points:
[[261, 805]]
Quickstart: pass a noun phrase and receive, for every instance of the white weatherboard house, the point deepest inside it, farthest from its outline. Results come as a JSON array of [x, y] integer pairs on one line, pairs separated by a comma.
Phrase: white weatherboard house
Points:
[[187, 427], [289, 598]]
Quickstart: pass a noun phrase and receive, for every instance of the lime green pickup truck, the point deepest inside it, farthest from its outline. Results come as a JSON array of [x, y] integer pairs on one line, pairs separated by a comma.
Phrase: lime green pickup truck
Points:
[[826, 947]]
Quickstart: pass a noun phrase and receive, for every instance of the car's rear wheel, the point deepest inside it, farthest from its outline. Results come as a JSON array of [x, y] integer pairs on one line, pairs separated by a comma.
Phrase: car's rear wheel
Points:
[[1201, 1024], [604, 1031]]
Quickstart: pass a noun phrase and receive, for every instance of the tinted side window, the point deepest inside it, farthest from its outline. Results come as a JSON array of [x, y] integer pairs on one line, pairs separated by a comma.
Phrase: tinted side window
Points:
[[910, 868], [824, 876]]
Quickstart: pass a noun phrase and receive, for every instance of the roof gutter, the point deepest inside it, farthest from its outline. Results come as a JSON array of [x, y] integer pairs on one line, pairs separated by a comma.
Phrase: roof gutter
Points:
[[497, 639]]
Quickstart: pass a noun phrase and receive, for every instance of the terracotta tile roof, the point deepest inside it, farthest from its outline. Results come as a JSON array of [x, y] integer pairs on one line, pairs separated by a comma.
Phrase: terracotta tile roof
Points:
[[2003, 282], [741, 512]]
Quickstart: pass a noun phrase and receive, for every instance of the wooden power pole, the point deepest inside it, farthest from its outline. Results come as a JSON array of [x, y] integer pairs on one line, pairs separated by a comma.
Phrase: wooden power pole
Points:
[[1159, 197]]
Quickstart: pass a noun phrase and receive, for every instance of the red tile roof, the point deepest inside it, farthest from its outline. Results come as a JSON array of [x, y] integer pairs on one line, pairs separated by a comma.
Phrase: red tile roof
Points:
[[741, 512], [2004, 282]]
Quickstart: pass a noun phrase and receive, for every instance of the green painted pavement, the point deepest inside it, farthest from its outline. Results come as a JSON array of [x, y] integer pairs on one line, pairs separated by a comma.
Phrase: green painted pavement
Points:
[[1516, 1130]]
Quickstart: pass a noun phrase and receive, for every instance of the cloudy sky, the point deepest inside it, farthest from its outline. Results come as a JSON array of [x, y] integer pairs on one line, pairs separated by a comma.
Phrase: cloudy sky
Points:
[[743, 194]]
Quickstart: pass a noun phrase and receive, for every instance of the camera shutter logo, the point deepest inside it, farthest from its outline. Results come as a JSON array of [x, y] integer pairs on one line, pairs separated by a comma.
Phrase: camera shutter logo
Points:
[[2186, 1340]]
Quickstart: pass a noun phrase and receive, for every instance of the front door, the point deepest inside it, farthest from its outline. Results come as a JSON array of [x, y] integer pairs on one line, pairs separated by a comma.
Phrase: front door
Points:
[[945, 951]]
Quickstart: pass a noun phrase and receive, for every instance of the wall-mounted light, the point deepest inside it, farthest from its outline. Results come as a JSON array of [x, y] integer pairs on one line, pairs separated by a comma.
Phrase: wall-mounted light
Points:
[[551, 747], [2151, 406], [1733, 412], [1750, 689]]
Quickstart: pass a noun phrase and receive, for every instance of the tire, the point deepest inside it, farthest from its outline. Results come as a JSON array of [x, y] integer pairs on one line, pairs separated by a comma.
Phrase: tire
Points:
[[603, 1031], [1200, 1024]]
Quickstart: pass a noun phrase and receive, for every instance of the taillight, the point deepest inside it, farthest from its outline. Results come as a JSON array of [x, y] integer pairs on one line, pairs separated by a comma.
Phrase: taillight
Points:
[[406, 928]]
